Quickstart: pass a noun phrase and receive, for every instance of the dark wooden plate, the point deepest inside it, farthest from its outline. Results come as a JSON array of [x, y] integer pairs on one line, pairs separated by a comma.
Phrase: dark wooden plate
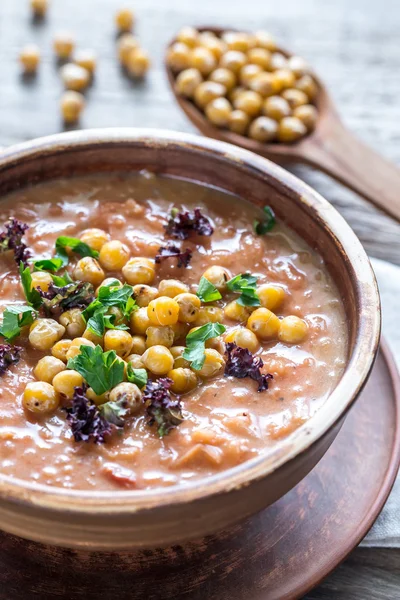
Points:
[[279, 554]]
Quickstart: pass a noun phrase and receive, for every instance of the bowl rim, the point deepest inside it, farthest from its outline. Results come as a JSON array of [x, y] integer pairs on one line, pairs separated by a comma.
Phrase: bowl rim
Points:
[[360, 362]]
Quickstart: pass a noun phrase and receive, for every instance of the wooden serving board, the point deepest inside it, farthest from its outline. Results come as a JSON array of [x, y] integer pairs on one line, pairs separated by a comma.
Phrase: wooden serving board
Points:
[[279, 554]]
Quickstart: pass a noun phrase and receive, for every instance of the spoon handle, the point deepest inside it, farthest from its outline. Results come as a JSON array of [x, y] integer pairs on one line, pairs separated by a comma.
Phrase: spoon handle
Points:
[[337, 152]]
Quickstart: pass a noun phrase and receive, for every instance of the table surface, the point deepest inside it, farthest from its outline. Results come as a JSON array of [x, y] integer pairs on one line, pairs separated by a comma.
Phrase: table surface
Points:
[[354, 47]]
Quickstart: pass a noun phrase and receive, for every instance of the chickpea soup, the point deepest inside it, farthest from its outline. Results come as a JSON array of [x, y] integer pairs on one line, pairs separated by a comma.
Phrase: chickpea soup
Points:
[[155, 331]]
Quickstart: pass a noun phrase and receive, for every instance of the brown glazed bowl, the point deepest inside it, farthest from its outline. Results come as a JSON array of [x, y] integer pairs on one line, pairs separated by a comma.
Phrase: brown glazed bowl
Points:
[[140, 519]]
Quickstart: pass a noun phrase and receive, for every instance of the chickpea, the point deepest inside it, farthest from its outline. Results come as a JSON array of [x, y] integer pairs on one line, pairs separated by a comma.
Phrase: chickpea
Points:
[[271, 296], [98, 400], [114, 255], [248, 72], [30, 58], [213, 364], [139, 271], [64, 45], [39, 7], [172, 287], [118, 340], [47, 368], [209, 314], [264, 323], [75, 347], [236, 92], [144, 294], [138, 62], [158, 360], [119, 318], [65, 382], [88, 269], [260, 57], [249, 102], [203, 60], [189, 36], [179, 57], [109, 282], [218, 276], [130, 394], [276, 108], [218, 111], [208, 91], [284, 78], [138, 344], [124, 19], [44, 333], [159, 336], [126, 43], [264, 84], [233, 60], [262, 39], [40, 398], [86, 59], [140, 321], [291, 129], [95, 238], [72, 104], [307, 85], [215, 45], [97, 340], [307, 114], [224, 77], [180, 330], [238, 122], [187, 82], [184, 380], [295, 97], [189, 306], [263, 129], [244, 338], [135, 360], [237, 40], [60, 349], [163, 311], [73, 322], [236, 312], [179, 361], [277, 61], [42, 280], [293, 330], [298, 65]]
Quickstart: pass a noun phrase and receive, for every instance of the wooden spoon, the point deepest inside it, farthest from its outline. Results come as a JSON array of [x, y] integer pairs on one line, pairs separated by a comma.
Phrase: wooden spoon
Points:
[[331, 147]]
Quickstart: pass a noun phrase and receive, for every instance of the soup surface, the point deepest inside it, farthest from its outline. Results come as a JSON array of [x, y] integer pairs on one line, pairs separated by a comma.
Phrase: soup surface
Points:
[[218, 419]]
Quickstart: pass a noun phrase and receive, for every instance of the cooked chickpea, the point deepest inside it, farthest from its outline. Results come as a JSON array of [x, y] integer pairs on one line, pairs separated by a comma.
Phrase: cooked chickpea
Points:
[[41, 279], [277, 61], [73, 322], [44, 333], [172, 287], [189, 36], [244, 338], [249, 102], [140, 321], [247, 73], [88, 269], [215, 45], [203, 60], [179, 361], [139, 271], [64, 45], [263, 129], [208, 91], [109, 282], [184, 380], [124, 19], [271, 296], [29, 58], [264, 84], [86, 59], [135, 360], [293, 330], [236, 312], [263, 39], [213, 364], [39, 7], [291, 129], [276, 108], [225, 77], [144, 294], [233, 60], [163, 311], [138, 62], [130, 394], [264, 323], [65, 382], [179, 57], [307, 85], [158, 360], [118, 315], [307, 114], [40, 398], [75, 347], [114, 255], [118, 340], [237, 40], [96, 398], [209, 314], [159, 336], [189, 306], [180, 330], [218, 276], [188, 81], [295, 97], [238, 122], [72, 104], [298, 65], [95, 238], [218, 111], [97, 340], [74, 77], [126, 43], [260, 57], [47, 368], [60, 349], [138, 344]]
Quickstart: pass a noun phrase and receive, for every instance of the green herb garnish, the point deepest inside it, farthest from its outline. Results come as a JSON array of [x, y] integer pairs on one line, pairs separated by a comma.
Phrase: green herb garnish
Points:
[[245, 285], [195, 343], [48, 264], [31, 294], [14, 318], [263, 227], [100, 321], [63, 242], [101, 370], [62, 280], [115, 412], [207, 292], [137, 376], [109, 295]]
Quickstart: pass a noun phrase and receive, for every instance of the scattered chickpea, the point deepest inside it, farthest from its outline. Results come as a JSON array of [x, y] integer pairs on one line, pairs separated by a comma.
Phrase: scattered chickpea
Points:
[[188, 81], [293, 330], [139, 271], [244, 338], [42, 280], [73, 322], [238, 122], [64, 45], [213, 364], [72, 104], [74, 77], [114, 255], [47, 368], [39, 7], [264, 323], [118, 340], [65, 382], [86, 59], [88, 269], [40, 398], [263, 129], [126, 43], [158, 360], [163, 311], [124, 19], [138, 62], [29, 58], [271, 296], [44, 333], [184, 380], [218, 111]]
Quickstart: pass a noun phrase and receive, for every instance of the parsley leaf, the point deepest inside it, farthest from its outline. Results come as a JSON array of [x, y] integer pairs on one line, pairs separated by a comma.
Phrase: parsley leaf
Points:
[[245, 285], [31, 294], [207, 292], [263, 227], [14, 318], [101, 370], [109, 295], [48, 264], [138, 376], [63, 242], [100, 321], [63, 280], [195, 343]]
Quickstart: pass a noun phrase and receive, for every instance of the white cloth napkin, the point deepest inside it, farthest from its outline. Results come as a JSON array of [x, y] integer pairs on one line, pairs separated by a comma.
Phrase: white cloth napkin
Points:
[[386, 531]]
